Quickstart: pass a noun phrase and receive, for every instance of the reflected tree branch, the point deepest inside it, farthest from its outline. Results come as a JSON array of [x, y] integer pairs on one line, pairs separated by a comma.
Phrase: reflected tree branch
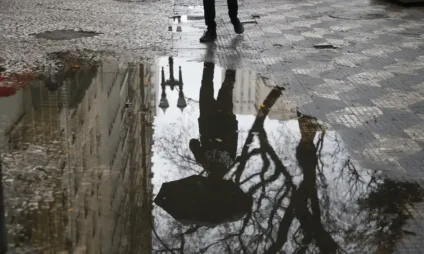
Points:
[[256, 127], [304, 205]]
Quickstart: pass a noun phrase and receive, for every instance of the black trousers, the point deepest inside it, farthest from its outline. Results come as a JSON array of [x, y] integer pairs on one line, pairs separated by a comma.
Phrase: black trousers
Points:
[[209, 9]]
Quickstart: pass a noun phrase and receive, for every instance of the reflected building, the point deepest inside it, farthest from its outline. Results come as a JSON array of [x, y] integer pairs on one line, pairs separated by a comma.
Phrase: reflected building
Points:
[[245, 92], [111, 139], [94, 130], [250, 90]]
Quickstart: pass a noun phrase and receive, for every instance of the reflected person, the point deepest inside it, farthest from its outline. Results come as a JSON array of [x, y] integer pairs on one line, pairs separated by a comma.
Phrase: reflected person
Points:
[[308, 209], [306, 151], [217, 148]]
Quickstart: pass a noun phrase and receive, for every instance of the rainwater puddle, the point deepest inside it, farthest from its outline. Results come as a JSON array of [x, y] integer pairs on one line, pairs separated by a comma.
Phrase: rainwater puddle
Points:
[[359, 15], [112, 158], [57, 35], [186, 23], [186, 18]]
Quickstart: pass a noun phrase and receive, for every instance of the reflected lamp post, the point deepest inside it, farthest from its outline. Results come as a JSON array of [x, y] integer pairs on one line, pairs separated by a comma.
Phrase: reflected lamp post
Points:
[[163, 104], [172, 83]]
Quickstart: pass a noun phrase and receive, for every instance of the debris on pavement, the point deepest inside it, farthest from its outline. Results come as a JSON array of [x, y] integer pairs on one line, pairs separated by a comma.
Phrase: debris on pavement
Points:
[[325, 46], [57, 35], [249, 21]]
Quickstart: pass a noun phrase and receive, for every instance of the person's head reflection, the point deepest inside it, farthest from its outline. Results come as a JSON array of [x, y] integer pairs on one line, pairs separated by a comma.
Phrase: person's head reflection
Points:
[[306, 152], [217, 147]]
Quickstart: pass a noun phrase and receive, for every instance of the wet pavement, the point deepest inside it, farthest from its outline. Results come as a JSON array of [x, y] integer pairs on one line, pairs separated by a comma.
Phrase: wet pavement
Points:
[[87, 148], [65, 34], [336, 164], [123, 29], [76, 160]]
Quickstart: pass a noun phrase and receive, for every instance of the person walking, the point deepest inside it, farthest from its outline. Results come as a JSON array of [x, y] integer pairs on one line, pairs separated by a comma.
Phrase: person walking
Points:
[[209, 10]]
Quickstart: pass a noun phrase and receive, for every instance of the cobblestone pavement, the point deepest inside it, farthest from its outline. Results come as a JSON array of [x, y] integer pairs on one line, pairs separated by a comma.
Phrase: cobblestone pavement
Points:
[[129, 30]]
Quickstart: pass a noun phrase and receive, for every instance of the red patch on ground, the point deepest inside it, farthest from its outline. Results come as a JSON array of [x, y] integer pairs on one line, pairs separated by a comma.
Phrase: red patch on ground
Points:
[[9, 85]]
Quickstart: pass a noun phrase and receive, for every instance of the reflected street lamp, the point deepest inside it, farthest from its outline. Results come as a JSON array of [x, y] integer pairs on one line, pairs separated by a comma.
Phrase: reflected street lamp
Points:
[[172, 83], [163, 104], [181, 101]]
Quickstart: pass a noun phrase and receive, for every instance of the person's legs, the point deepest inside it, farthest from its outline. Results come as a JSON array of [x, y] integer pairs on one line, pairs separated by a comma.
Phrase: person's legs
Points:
[[207, 102], [209, 13], [233, 10], [227, 130], [233, 13], [225, 94], [207, 106]]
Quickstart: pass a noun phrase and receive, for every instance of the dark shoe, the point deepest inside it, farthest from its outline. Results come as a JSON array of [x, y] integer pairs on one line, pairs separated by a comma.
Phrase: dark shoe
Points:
[[238, 27], [208, 36]]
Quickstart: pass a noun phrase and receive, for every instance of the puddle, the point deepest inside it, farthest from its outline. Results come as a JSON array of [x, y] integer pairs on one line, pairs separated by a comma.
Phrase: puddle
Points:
[[359, 15], [57, 35], [138, 1], [186, 18], [186, 24], [87, 150]]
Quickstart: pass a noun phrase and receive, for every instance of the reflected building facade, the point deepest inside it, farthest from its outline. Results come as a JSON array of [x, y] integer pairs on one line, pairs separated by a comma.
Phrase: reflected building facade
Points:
[[114, 139], [94, 130], [245, 92], [250, 90]]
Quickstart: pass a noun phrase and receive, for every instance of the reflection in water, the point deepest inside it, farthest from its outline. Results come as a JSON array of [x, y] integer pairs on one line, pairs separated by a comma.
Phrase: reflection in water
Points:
[[75, 147], [209, 201], [216, 150], [76, 164], [309, 196], [203, 201], [172, 83], [3, 236]]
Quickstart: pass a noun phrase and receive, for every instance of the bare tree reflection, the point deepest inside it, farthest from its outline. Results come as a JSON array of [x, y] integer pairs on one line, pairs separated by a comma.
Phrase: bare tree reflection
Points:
[[326, 207]]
